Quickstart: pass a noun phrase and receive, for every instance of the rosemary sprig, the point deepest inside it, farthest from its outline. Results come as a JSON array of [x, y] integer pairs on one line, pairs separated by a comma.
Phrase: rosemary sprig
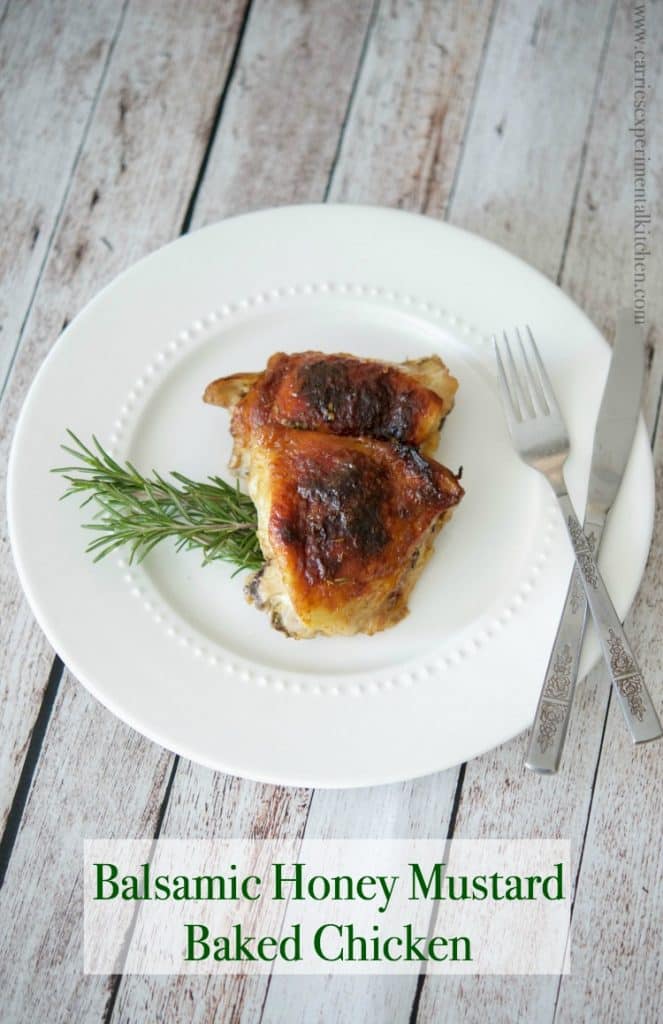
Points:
[[142, 511]]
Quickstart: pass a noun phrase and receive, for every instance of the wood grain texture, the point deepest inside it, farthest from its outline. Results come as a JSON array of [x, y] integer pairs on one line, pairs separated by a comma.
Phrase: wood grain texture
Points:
[[53, 59], [617, 932], [408, 119], [418, 808], [532, 110], [409, 91], [128, 195], [595, 268], [286, 108], [317, 55], [204, 804], [617, 928], [83, 790], [85, 248], [544, 169], [131, 189], [616, 955]]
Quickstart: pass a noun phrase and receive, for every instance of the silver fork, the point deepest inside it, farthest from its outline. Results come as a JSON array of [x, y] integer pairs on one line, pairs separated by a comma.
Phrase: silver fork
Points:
[[540, 437]]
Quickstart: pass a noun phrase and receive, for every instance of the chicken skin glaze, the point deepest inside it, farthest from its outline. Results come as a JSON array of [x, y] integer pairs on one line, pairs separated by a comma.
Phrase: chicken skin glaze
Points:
[[333, 449], [339, 394]]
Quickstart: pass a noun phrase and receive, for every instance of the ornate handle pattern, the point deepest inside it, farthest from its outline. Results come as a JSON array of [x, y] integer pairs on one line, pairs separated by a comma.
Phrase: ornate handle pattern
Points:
[[626, 677], [548, 733]]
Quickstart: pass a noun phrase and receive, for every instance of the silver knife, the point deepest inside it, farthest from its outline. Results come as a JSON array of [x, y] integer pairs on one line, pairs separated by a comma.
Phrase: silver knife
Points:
[[613, 440]]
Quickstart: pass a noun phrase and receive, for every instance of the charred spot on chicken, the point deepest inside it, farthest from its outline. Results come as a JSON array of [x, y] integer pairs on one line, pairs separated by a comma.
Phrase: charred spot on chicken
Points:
[[336, 451]]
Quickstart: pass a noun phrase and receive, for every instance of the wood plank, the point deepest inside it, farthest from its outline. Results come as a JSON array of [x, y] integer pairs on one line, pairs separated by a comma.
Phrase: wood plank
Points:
[[128, 196], [617, 930], [283, 116], [419, 809], [53, 59], [119, 148], [96, 777], [523, 156], [394, 811], [401, 147], [404, 135], [316, 58], [205, 804], [616, 936], [227, 801], [110, 784], [3, 14], [307, 1001], [595, 269]]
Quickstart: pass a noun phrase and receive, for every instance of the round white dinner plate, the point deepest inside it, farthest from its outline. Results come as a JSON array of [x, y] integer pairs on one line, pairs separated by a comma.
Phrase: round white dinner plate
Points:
[[173, 648]]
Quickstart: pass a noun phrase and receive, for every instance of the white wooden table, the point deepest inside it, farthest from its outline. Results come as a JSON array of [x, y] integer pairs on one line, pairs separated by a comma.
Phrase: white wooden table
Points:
[[125, 124]]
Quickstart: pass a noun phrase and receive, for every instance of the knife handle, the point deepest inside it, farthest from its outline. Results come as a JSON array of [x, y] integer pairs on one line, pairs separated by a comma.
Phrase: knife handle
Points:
[[625, 675], [548, 733]]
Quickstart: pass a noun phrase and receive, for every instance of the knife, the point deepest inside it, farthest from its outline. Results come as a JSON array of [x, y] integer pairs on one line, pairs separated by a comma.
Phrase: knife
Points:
[[613, 440]]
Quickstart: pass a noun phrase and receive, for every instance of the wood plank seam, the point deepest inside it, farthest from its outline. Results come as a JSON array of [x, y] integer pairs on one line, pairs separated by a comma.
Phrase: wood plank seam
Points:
[[65, 195], [185, 226], [287, 904], [581, 166], [218, 114], [57, 668], [470, 113], [576, 887], [416, 1000], [583, 842], [467, 127], [115, 979], [353, 91], [330, 182], [657, 414], [29, 767], [306, 819], [478, 82], [3, 16], [583, 153], [186, 223]]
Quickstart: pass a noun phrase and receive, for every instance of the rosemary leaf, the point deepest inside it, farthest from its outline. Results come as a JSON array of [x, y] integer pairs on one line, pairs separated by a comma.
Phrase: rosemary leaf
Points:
[[139, 511]]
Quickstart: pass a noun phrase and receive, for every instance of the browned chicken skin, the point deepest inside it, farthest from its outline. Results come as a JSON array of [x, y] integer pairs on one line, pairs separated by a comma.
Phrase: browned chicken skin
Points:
[[340, 394], [346, 525], [348, 507]]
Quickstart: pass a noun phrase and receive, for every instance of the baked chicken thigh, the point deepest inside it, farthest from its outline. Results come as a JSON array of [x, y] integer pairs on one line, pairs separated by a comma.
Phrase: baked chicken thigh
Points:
[[339, 394], [346, 526], [348, 506]]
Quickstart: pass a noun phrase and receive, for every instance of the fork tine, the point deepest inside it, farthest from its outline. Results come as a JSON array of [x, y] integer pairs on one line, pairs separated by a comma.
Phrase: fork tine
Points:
[[511, 410], [520, 385], [536, 388], [546, 386]]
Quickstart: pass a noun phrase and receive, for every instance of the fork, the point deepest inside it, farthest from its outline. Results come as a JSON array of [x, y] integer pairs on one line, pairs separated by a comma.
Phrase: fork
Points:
[[541, 440]]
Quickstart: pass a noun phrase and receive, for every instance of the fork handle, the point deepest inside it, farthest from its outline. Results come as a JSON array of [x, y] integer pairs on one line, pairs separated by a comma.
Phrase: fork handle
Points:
[[548, 733], [625, 675]]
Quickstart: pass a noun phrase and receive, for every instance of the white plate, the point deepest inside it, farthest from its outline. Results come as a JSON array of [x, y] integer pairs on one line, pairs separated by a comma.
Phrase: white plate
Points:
[[173, 649]]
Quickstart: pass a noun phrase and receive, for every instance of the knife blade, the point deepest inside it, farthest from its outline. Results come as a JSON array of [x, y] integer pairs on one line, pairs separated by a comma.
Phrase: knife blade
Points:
[[618, 417], [613, 439]]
